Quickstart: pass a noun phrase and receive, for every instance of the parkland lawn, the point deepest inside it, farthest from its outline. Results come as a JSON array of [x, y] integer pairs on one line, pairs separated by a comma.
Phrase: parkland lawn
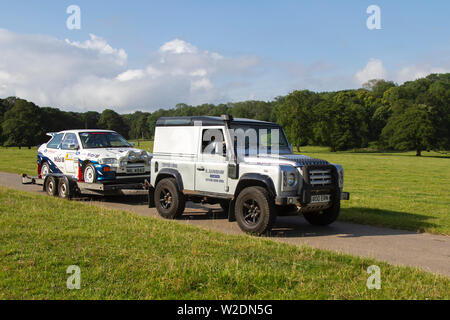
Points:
[[126, 256], [397, 190]]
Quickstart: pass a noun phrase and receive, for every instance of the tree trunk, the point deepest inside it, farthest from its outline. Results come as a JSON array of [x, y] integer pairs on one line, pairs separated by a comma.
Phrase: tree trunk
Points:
[[419, 153], [298, 148]]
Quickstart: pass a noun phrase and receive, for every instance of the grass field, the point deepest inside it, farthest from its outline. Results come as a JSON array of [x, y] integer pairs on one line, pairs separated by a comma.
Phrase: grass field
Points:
[[397, 190], [125, 256]]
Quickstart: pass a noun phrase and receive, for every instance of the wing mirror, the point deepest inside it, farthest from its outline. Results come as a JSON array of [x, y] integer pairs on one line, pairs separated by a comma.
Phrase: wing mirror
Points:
[[73, 147]]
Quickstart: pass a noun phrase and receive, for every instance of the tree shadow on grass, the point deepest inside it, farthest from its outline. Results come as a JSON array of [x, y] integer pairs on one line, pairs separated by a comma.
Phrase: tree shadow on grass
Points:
[[355, 222]]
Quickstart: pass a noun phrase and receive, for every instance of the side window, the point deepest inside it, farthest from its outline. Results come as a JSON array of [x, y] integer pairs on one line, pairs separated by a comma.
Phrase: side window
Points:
[[213, 142], [56, 141], [69, 140]]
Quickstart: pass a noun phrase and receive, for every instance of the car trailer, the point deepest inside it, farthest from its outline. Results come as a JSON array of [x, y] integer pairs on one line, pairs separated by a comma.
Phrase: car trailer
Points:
[[57, 184]]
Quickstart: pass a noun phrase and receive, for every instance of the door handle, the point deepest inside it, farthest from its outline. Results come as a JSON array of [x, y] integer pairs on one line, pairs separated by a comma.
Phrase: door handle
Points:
[[200, 169]]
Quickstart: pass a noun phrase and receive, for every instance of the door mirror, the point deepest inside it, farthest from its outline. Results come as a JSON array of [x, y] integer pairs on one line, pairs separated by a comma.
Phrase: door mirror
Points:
[[132, 144], [291, 148]]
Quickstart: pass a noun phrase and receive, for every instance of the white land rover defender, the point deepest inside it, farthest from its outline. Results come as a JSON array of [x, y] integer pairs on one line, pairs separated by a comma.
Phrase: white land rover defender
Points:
[[244, 165]]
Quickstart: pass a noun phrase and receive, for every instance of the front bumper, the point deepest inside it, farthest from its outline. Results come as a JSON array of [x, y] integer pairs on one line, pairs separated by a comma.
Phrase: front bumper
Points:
[[297, 200]]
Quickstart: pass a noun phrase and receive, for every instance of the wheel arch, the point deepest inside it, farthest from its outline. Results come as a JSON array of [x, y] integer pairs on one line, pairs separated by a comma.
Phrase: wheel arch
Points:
[[170, 173], [255, 180], [250, 180]]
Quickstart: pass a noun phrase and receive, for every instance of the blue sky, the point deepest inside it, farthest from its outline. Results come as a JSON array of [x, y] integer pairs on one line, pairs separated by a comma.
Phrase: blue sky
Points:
[[273, 47]]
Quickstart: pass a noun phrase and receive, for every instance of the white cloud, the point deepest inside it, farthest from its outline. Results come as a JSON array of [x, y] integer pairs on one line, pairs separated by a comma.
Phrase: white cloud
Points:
[[131, 75], [93, 75], [102, 47], [178, 46], [414, 72], [373, 70]]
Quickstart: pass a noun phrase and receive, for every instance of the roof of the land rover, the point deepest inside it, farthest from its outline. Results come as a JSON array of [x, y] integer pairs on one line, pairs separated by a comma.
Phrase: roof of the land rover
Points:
[[206, 121]]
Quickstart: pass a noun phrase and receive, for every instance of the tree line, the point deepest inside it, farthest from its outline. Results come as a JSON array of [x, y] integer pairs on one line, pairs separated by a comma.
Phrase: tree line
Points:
[[381, 114]]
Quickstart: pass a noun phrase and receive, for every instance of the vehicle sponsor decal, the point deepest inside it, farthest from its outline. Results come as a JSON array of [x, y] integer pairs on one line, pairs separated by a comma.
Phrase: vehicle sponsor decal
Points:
[[58, 159], [53, 168], [215, 176], [215, 180], [169, 165], [93, 155], [213, 171]]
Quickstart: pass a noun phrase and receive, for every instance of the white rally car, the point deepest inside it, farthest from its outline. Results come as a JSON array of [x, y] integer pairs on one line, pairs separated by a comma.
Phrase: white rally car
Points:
[[93, 156]]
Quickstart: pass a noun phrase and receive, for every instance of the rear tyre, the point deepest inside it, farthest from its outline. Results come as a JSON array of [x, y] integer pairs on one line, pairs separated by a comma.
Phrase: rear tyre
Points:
[[45, 169], [63, 189], [89, 173], [169, 201], [324, 217], [51, 186], [255, 211]]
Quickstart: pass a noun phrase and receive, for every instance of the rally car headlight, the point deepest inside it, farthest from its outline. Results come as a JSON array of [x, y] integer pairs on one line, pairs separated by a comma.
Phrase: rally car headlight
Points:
[[108, 161]]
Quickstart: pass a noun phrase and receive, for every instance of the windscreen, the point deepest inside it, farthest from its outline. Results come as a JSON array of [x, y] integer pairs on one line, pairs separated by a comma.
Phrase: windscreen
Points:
[[93, 140]]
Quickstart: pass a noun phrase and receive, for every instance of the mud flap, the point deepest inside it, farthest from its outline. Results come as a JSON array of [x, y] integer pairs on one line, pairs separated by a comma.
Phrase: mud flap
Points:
[[151, 197], [231, 211]]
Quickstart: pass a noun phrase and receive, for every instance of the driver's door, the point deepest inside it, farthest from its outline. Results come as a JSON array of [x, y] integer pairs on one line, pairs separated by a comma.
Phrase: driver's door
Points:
[[69, 148], [211, 169]]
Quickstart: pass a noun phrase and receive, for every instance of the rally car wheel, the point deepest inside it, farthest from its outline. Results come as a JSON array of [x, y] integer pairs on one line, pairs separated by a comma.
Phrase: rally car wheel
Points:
[[89, 174], [51, 186], [45, 169]]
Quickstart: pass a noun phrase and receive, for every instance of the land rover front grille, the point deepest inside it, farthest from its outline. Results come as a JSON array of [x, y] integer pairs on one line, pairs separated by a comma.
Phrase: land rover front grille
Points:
[[320, 177]]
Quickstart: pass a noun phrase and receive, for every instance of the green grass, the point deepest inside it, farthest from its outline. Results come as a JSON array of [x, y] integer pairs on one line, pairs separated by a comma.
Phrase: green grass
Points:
[[126, 256], [397, 190], [15, 160]]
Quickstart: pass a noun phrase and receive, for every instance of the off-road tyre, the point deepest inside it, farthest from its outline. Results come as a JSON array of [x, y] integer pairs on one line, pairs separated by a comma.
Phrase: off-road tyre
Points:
[[169, 201], [255, 211]]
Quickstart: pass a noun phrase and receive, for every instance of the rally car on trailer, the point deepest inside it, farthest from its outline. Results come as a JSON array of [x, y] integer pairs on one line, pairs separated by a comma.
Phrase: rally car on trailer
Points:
[[98, 162], [93, 156]]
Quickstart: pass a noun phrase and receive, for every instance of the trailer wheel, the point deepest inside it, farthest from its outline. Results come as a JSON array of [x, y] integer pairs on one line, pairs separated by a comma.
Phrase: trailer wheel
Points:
[[169, 201], [51, 186], [89, 173], [63, 189]]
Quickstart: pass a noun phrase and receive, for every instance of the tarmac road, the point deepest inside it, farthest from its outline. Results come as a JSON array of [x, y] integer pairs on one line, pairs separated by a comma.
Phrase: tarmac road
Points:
[[426, 251]]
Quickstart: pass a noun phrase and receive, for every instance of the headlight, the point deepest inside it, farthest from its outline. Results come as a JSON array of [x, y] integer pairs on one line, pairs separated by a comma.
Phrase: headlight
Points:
[[108, 161], [291, 179]]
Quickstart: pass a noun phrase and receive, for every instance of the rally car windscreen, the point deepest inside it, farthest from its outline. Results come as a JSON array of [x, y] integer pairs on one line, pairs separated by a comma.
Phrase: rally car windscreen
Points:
[[92, 140]]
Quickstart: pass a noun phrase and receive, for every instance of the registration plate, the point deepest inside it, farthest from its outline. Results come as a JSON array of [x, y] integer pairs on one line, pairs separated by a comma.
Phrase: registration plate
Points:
[[318, 198], [136, 170]]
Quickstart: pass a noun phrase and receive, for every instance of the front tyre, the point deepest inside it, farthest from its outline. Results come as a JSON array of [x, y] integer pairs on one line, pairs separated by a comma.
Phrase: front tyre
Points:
[[169, 201], [324, 217], [90, 174], [255, 211]]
